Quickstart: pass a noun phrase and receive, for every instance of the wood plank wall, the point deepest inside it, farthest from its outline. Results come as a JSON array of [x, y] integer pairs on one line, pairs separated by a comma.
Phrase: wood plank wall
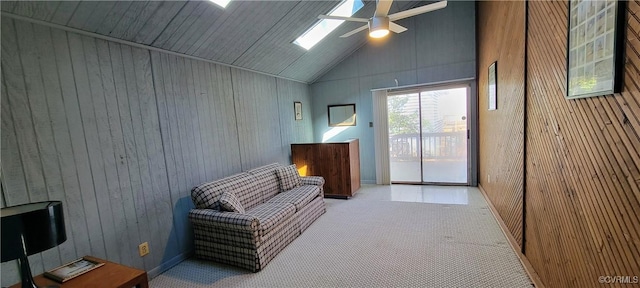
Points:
[[294, 131], [121, 134], [582, 193], [501, 31]]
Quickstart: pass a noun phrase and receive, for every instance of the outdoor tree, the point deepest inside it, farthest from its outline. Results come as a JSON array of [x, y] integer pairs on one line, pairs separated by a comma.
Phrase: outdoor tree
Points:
[[404, 119]]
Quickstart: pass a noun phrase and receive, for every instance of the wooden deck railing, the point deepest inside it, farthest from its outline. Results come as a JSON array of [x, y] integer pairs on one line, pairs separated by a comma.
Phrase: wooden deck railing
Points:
[[441, 146]]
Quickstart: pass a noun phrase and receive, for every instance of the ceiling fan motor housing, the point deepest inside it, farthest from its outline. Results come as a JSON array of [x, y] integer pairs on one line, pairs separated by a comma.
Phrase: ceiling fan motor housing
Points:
[[377, 23]]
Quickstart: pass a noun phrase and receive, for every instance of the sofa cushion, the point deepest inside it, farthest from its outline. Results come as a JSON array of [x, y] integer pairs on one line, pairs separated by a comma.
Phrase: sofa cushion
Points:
[[270, 214], [288, 177], [229, 202], [267, 180], [243, 185], [298, 196]]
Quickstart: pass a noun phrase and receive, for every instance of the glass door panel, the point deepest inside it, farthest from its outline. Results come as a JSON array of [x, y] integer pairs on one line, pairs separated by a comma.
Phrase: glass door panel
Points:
[[404, 138], [444, 135]]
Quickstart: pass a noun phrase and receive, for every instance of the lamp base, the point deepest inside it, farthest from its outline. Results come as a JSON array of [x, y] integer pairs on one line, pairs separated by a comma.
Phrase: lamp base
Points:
[[29, 282], [25, 272]]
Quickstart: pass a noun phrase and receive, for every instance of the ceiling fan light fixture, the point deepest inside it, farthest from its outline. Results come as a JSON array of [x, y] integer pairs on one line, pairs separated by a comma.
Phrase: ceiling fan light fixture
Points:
[[379, 33], [378, 27]]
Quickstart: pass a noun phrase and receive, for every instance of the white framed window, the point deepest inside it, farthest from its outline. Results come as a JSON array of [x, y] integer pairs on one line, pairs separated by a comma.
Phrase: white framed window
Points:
[[221, 3], [323, 27]]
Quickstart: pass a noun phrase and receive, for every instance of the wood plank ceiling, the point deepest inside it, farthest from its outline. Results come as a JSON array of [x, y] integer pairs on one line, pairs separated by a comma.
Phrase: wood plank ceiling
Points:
[[256, 35]]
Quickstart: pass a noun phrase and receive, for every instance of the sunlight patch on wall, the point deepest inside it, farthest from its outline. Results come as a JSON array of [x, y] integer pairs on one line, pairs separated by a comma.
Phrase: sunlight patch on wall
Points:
[[333, 132]]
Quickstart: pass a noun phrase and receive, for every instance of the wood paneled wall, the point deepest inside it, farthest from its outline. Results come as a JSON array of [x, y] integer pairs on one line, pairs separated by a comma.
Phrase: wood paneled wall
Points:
[[501, 35], [256, 122], [121, 134], [583, 195], [294, 131], [582, 180]]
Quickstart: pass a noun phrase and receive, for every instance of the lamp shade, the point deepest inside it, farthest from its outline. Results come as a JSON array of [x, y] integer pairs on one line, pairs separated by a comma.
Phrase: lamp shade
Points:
[[40, 224]]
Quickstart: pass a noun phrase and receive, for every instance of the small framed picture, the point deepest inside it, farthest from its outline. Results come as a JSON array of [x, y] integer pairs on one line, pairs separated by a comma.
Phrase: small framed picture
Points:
[[595, 48], [493, 86], [71, 270], [297, 110]]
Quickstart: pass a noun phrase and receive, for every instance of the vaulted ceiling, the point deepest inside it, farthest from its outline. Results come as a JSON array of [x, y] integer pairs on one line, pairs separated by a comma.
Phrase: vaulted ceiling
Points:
[[256, 35]]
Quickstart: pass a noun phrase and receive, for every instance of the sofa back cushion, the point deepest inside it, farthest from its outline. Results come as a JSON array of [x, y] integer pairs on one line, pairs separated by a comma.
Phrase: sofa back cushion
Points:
[[288, 177], [267, 180], [244, 186]]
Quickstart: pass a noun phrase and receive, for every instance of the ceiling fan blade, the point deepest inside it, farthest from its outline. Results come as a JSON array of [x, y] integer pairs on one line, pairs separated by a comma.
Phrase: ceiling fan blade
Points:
[[417, 11], [354, 31], [353, 19], [396, 28], [382, 8]]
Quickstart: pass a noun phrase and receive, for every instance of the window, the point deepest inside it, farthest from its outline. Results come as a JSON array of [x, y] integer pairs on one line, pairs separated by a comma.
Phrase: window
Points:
[[323, 27], [221, 3]]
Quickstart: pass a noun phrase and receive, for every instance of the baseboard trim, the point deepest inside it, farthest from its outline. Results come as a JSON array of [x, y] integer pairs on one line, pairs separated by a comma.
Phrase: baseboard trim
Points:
[[533, 275], [168, 264]]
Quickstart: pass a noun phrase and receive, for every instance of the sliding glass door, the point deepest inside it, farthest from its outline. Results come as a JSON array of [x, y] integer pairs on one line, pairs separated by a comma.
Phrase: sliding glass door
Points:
[[428, 135]]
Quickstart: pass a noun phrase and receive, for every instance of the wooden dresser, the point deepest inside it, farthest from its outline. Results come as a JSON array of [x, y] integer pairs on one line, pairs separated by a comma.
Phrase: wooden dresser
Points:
[[337, 162]]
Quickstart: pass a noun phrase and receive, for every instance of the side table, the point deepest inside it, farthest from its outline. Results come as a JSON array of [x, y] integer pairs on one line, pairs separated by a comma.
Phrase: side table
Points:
[[111, 275]]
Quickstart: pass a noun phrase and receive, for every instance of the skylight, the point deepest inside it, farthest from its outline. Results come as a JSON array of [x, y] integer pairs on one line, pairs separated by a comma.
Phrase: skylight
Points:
[[221, 3], [323, 27]]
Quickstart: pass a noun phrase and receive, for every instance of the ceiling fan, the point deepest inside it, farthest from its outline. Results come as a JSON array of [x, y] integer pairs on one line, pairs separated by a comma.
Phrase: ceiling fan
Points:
[[381, 23]]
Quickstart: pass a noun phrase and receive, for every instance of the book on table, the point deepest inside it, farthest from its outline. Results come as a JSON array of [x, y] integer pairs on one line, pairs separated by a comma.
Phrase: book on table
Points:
[[72, 270]]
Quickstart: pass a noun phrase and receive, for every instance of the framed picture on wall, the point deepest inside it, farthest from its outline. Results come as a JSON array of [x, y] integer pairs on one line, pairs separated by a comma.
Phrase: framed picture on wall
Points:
[[342, 115], [595, 48], [297, 110], [493, 86]]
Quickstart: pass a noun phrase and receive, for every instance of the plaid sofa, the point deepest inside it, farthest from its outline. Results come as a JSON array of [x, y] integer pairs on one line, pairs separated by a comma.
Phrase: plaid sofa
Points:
[[272, 219]]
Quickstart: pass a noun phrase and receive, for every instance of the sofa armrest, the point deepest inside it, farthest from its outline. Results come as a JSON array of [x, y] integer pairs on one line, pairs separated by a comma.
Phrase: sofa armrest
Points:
[[314, 180], [229, 220]]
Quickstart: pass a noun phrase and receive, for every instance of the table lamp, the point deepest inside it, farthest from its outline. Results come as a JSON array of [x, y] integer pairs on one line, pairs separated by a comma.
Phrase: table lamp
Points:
[[29, 229]]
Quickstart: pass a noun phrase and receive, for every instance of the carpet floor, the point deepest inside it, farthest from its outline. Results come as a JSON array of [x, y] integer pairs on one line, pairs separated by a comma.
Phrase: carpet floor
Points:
[[371, 243]]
